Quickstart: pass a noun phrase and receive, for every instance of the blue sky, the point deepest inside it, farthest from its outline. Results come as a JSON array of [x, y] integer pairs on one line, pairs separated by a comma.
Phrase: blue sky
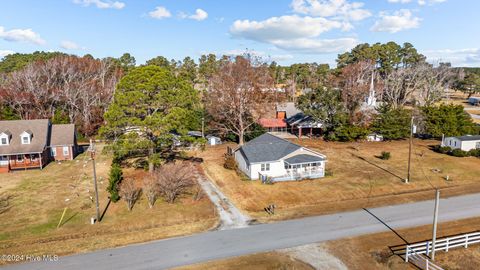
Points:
[[288, 31]]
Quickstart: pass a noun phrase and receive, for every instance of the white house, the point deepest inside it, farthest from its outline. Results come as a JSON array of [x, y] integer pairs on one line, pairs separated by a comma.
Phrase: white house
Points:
[[279, 159], [465, 143]]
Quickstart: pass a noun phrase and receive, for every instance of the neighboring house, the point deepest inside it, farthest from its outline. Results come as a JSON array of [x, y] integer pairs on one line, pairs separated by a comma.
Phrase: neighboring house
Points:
[[465, 143], [286, 110], [279, 159], [290, 119], [26, 144], [63, 142], [273, 124], [301, 124]]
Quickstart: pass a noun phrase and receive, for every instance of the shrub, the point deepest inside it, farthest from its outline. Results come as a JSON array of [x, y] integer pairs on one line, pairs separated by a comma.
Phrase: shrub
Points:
[[459, 153], [114, 179], [474, 153], [385, 155], [230, 162], [442, 149], [328, 173], [348, 133]]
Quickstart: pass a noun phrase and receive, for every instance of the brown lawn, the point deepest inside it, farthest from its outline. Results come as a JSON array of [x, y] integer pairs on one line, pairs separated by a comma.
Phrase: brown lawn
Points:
[[39, 198], [359, 179], [261, 261]]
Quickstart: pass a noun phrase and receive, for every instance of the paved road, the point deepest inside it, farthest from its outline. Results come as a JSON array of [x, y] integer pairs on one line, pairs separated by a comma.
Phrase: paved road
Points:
[[226, 243]]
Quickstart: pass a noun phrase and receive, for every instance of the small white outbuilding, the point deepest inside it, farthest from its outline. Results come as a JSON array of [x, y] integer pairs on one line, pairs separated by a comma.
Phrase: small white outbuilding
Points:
[[465, 143]]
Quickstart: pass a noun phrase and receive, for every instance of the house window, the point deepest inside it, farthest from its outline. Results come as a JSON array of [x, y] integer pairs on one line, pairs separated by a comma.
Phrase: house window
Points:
[[19, 157], [265, 167], [478, 145], [65, 150], [33, 157], [53, 151], [4, 141], [455, 143], [25, 140]]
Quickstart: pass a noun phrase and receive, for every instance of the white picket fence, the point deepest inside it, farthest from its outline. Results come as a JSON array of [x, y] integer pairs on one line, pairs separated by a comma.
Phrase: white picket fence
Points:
[[444, 244]]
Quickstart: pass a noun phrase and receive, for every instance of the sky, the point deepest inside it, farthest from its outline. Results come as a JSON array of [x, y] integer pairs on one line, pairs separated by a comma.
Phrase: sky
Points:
[[285, 31]]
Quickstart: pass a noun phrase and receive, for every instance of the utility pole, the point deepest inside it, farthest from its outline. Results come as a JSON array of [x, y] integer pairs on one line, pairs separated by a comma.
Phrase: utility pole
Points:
[[410, 150], [203, 127], [92, 155], [435, 220]]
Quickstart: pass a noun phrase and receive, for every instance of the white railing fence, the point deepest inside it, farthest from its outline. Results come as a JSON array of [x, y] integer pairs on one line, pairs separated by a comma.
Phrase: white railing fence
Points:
[[444, 244]]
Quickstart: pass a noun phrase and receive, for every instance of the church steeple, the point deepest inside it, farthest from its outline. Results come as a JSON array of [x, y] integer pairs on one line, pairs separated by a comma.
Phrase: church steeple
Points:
[[372, 100]]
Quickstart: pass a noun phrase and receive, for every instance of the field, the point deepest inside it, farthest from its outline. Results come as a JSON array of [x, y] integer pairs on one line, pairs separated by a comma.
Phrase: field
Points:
[[358, 179], [39, 198]]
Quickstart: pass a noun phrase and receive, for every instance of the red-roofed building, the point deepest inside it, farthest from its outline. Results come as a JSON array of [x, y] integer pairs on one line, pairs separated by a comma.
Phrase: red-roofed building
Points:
[[273, 124]]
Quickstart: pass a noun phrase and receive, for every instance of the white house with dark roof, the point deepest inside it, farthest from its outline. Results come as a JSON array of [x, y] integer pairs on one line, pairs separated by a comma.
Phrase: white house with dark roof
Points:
[[465, 143], [279, 159], [26, 144]]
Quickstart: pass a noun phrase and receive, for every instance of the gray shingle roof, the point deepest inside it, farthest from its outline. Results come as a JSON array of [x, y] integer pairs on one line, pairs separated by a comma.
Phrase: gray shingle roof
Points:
[[303, 159], [38, 128], [63, 135], [469, 138], [289, 108], [267, 147]]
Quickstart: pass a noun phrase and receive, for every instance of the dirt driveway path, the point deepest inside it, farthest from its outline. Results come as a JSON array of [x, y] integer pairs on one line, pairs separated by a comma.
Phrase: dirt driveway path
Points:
[[230, 216]]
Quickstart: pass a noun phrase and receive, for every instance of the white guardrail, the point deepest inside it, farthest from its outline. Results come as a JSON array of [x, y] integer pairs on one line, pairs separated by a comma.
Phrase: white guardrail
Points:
[[442, 244]]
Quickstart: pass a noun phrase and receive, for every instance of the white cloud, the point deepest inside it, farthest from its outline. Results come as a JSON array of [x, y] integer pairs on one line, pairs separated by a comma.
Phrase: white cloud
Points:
[[316, 46], [101, 4], [4, 53], [398, 21], [70, 45], [469, 57], [420, 2], [261, 54], [430, 2], [21, 35], [331, 8], [283, 27], [199, 15], [160, 13], [293, 33]]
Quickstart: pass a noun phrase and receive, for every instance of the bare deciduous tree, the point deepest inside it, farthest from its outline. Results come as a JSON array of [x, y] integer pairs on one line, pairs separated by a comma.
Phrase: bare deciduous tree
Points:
[[150, 189], [238, 93], [354, 83], [174, 179], [129, 192], [421, 83], [80, 87]]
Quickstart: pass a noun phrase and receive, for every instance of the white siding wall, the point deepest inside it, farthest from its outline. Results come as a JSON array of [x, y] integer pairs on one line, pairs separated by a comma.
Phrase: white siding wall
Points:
[[453, 142], [469, 145], [277, 168], [242, 164]]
